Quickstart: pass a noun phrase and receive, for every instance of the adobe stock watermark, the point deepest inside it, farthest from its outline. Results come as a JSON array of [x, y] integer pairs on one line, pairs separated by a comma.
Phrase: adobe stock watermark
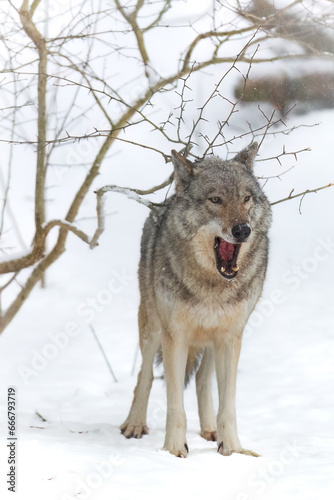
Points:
[[294, 278], [259, 481], [86, 312], [309, 265], [84, 488]]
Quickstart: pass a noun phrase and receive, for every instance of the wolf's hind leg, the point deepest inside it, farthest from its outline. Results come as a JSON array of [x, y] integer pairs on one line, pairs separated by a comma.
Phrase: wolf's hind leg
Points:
[[206, 412], [135, 424]]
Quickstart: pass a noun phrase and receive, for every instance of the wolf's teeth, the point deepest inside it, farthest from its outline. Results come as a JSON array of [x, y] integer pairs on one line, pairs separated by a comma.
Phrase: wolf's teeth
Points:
[[235, 269], [223, 269]]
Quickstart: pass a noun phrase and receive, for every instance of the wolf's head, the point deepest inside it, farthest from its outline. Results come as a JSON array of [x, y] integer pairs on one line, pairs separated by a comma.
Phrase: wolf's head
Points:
[[223, 207]]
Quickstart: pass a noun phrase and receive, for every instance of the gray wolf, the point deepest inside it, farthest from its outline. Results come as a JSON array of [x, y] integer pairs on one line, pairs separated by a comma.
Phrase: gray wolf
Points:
[[201, 272]]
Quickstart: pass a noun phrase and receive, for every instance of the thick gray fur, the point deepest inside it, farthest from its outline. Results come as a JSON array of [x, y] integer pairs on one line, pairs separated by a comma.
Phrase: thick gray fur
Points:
[[187, 305]]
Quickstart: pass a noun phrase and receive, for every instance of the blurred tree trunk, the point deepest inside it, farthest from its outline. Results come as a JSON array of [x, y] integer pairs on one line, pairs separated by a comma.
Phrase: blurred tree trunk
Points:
[[315, 90]]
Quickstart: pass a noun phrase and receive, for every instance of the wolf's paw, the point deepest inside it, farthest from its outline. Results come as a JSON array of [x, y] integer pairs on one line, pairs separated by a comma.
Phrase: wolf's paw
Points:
[[136, 431], [209, 435], [227, 451], [178, 451], [250, 453]]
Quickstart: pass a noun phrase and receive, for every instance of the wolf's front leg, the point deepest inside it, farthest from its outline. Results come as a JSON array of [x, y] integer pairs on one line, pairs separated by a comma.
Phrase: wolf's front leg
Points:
[[227, 352], [175, 352]]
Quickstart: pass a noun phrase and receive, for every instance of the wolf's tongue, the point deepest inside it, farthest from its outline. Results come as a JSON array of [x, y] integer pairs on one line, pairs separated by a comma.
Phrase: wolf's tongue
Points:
[[226, 250]]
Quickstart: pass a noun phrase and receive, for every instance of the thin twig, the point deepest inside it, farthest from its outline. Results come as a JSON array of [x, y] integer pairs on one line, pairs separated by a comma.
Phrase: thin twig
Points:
[[135, 360], [103, 353], [291, 197], [40, 416], [285, 153]]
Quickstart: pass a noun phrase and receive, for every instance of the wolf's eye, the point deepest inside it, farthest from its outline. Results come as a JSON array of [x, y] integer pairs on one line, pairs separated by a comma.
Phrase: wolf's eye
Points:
[[215, 199], [247, 198]]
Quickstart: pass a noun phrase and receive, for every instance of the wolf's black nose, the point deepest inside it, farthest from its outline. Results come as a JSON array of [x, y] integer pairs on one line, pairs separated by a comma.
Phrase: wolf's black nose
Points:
[[241, 231]]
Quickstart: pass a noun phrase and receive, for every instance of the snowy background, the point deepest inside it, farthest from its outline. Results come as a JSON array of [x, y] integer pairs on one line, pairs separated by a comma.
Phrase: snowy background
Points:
[[69, 406]]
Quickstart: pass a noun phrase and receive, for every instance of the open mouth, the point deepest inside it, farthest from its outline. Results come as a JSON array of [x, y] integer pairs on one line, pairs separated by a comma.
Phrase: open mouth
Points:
[[226, 258]]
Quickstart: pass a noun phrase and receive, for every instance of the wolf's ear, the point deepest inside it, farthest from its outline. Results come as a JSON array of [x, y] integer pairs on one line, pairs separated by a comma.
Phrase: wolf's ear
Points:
[[247, 155], [183, 169]]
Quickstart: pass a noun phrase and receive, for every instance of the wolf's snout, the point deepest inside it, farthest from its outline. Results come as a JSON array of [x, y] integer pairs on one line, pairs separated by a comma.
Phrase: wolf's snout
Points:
[[241, 231]]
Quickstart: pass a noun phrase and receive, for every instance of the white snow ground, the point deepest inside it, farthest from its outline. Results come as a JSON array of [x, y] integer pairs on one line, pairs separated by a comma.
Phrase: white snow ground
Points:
[[285, 385]]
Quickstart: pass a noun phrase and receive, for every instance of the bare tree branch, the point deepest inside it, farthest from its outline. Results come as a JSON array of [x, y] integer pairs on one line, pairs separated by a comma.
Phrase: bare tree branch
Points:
[[132, 20], [133, 194], [40, 44], [87, 79], [291, 196]]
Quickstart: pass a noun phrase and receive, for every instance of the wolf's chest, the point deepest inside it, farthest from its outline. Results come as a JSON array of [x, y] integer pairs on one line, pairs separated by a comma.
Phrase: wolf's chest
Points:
[[210, 318]]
